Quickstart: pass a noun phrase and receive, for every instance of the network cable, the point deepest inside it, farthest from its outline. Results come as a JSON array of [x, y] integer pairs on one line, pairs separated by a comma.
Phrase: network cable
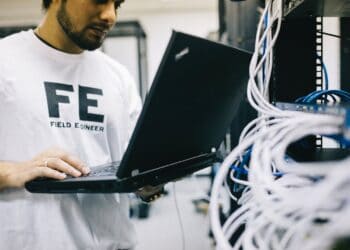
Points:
[[326, 96], [284, 204]]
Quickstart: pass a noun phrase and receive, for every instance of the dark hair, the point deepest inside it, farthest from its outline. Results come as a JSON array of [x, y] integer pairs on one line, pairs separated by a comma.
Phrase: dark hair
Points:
[[46, 4]]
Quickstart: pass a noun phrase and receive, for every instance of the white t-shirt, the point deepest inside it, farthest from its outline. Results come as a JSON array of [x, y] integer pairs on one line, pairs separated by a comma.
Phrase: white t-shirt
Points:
[[86, 104]]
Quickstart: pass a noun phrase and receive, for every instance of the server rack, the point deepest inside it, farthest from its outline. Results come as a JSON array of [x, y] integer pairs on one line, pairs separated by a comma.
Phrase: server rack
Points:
[[297, 65], [298, 55], [297, 68]]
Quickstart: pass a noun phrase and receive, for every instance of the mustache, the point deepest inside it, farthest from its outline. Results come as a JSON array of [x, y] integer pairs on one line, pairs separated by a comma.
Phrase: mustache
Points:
[[104, 27]]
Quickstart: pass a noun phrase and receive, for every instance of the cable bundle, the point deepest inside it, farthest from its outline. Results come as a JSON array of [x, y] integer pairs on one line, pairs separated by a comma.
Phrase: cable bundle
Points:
[[285, 204], [326, 96]]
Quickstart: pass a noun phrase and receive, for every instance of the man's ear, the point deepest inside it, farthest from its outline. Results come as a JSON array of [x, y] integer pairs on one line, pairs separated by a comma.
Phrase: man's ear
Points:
[[54, 6], [56, 3]]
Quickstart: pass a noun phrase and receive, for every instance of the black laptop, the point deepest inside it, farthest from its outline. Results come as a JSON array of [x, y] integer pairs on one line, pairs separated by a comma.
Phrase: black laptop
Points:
[[192, 101]]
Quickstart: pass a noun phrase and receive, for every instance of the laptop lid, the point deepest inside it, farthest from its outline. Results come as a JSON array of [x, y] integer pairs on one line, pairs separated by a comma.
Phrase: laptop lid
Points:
[[192, 101]]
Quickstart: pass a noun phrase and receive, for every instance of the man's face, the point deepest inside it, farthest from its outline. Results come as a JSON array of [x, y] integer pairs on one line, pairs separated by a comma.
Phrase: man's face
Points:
[[87, 22]]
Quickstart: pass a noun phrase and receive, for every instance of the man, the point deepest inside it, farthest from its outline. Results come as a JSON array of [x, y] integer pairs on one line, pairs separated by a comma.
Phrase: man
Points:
[[64, 106]]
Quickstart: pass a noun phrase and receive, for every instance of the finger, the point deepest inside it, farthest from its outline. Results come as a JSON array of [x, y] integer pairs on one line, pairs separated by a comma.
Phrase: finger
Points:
[[62, 166], [76, 163], [150, 191], [45, 172], [150, 198], [72, 160]]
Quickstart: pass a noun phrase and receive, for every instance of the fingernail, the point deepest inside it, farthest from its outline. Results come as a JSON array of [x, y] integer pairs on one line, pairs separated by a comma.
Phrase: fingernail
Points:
[[86, 170], [76, 173], [63, 175]]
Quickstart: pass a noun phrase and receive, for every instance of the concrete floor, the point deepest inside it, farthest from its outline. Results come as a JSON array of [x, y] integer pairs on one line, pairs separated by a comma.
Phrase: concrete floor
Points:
[[161, 230]]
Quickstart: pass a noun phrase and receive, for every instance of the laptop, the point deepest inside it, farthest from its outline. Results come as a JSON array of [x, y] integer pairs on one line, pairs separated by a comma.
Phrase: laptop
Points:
[[185, 117]]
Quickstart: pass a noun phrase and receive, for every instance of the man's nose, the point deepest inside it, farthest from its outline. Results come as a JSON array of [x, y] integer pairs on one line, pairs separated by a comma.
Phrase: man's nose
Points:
[[108, 13]]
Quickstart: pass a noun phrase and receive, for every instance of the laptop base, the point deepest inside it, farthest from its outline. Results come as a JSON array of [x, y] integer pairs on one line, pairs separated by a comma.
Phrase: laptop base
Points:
[[112, 184]]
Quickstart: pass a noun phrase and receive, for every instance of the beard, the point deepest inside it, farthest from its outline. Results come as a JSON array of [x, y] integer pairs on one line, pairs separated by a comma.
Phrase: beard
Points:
[[80, 38]]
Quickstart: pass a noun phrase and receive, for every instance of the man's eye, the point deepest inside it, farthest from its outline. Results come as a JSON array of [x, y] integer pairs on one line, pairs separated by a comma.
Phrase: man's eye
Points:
[[118, 4]]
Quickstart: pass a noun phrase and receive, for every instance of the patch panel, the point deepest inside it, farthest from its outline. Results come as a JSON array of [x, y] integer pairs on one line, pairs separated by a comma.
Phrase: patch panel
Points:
[[336, 110]]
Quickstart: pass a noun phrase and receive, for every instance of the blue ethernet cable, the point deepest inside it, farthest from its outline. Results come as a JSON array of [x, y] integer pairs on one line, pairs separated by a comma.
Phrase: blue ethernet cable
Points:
[[325, 72], [316, 95], [266, 22]]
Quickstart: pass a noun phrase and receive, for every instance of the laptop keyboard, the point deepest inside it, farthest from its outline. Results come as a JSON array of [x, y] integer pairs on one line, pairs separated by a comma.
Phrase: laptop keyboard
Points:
[[105, 170]]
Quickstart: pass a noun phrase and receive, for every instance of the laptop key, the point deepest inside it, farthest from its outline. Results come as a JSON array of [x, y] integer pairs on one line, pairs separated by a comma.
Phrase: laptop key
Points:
[[104, 171]]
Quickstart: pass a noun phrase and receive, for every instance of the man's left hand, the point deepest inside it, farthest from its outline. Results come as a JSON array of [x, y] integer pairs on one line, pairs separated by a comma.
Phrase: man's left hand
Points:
[[150, 193]]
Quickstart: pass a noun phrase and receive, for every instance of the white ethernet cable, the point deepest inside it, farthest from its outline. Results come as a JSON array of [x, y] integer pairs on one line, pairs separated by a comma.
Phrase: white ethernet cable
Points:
[[265, 191], [287, 202], [305, 208], [265, 43], [257, 87]]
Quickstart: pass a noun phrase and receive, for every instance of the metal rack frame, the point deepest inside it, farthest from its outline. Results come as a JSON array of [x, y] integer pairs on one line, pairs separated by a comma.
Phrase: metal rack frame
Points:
[[345, 54], [134, 29]]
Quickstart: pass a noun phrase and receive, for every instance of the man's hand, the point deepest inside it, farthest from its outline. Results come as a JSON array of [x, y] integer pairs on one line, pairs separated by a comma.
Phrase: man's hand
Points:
[[53, 163], [150, 193]]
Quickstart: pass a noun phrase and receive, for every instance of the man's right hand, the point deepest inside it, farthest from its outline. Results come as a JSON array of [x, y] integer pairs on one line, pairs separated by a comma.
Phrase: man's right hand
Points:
[[53, 163]]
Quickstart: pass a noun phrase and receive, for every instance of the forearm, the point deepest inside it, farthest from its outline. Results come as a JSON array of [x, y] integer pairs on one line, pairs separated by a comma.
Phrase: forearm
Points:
[[5, 174]]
